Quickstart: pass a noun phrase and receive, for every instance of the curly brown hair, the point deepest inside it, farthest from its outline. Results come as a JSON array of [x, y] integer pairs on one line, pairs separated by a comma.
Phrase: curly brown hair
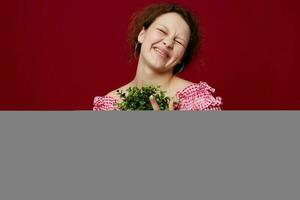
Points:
[[146, 16]]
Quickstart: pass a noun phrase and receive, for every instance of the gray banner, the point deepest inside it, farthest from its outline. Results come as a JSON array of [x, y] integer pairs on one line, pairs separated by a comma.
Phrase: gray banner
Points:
[[149, 155]]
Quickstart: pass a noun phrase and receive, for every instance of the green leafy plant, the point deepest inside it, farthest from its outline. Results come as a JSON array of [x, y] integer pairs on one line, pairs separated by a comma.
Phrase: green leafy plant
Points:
[[138, 98]]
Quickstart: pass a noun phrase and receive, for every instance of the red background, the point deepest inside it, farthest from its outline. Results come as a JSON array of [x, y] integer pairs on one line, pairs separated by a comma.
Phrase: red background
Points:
[[59, 54]]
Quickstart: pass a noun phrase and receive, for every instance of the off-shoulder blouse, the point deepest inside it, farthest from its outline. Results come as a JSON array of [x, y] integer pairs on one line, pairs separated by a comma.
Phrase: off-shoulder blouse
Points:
[[195, 97]]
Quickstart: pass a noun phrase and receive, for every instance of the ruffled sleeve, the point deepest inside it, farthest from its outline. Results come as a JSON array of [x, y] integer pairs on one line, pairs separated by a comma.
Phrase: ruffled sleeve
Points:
[[104, 103], [198, 97]]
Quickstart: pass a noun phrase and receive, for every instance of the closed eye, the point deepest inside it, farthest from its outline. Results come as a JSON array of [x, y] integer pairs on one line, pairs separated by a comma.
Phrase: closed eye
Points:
[[162, 31], [178, 42]]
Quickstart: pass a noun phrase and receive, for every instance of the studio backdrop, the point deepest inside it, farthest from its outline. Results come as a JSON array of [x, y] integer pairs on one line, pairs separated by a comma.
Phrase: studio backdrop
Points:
[[59, 54]]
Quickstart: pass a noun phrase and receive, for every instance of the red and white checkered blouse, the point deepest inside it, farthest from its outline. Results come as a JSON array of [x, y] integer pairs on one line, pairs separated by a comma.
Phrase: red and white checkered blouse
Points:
[[195, 97]]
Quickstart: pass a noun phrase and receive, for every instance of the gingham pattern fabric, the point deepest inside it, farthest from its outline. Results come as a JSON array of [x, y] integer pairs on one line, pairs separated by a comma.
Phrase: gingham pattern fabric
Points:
[[105, 103], [198, 97], [195, 97]]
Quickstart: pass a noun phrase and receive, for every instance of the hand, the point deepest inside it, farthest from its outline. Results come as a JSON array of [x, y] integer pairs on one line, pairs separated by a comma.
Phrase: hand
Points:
[[172, 104]]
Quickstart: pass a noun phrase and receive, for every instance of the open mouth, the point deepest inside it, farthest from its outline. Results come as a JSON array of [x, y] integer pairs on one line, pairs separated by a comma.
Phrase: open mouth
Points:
[[161, 52]]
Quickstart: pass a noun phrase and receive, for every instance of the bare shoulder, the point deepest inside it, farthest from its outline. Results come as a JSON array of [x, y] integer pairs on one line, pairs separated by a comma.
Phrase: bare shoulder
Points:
[[180, 84], [114, 93]]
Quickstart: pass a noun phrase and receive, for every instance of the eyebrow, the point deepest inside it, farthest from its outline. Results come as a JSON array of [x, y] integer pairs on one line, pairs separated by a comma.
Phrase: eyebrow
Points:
[[168, 29]]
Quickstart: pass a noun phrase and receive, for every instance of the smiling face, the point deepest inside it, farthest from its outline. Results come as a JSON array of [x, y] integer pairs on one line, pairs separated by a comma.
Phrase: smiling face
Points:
[[164, 42]]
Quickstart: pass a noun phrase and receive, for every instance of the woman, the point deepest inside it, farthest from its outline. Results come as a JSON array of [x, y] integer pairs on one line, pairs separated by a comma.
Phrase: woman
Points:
[[164, 38]]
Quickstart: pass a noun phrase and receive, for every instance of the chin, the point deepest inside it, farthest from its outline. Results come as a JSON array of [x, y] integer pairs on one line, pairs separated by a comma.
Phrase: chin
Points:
[[158, 66], [161, 69]]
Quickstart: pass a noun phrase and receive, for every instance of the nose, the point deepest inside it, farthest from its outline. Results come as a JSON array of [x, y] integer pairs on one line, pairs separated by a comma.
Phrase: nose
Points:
[[168, 42]]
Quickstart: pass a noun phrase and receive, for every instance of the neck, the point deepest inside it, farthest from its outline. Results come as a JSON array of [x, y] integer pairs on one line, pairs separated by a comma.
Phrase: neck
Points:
[[146, 76]]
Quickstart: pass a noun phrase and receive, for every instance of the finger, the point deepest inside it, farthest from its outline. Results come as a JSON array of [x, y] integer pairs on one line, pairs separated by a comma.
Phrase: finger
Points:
[[153, 102], [176, 100], [171, 105]]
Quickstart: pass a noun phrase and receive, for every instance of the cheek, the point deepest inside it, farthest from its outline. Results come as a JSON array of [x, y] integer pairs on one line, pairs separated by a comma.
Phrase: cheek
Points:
[[179, 52], [154, 38]]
